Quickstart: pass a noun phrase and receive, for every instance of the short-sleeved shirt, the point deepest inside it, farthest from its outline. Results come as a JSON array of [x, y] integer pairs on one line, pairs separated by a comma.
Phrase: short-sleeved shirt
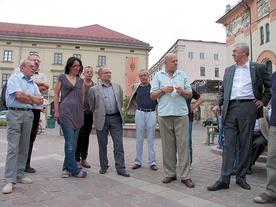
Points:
[[143, 97], [191, 113], [18, 82], [39, 77], [171, 104], [70, 108], [272, 121]]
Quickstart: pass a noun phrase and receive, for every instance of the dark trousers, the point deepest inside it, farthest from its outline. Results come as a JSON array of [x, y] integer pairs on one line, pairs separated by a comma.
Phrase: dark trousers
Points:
[[113, 124], [83, 138], [258, 145], [238, 131], [36, 113]]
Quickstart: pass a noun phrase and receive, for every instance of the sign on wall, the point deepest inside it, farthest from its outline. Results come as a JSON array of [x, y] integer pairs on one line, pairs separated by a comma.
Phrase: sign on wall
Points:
[[131, 73]]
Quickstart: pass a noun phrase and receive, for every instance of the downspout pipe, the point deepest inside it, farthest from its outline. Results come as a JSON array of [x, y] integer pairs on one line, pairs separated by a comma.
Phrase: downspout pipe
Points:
[[250, 23]]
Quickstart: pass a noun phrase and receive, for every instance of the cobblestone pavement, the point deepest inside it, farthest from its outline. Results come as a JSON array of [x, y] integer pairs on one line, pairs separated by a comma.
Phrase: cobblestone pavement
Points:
[[143, 189]]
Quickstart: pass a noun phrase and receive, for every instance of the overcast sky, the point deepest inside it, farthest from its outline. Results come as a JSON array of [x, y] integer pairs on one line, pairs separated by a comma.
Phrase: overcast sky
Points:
[[158, 23]]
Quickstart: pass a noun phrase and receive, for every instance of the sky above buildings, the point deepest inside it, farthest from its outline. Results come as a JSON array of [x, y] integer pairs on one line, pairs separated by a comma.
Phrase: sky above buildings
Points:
[[159, 23]]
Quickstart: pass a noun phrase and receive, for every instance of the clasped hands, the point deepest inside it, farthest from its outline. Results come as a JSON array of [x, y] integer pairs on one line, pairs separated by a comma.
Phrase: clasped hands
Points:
[[170, 89]]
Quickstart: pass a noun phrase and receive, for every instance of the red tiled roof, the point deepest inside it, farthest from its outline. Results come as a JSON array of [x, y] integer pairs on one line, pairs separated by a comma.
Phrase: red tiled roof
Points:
[[93, 32]]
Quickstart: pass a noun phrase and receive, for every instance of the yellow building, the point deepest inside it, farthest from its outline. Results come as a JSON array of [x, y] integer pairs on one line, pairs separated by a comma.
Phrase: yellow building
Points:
[[252, 22], [95, 45]]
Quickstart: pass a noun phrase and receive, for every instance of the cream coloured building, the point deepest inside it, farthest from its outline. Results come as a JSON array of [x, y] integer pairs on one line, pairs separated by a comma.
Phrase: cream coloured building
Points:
[[95, 45]]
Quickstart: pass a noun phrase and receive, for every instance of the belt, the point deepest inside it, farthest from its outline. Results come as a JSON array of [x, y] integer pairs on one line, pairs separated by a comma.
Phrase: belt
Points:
[[240, 100], [112, 114], [18, 109], [146, 110]]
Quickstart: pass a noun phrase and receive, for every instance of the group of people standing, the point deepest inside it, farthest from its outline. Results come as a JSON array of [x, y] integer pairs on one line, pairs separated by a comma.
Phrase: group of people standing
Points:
[[246, 89], [81, 102]]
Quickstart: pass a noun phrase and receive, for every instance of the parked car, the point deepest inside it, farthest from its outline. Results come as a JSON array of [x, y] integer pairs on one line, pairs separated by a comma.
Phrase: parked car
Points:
[[3, 115], [210, 122]]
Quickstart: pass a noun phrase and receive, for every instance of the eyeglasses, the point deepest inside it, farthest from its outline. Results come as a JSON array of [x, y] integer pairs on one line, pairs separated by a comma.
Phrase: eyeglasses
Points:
[[76, 66]]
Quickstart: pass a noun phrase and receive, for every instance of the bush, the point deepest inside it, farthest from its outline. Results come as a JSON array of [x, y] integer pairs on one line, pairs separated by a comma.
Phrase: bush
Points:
[[127, 118], [3, 123]]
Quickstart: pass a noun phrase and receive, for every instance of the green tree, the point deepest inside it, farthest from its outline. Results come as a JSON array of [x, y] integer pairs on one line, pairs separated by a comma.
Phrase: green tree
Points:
[[127, 118]]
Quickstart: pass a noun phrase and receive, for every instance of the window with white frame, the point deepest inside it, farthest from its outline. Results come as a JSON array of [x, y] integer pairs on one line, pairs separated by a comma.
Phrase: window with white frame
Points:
[[267, 32], [216, 56], [191, 55], [202, 71], [58, 58], [54, 80], [216, 72], [101, 60], [7, 56], [32, 53], [201, 56], [261, 36], [77, 56], [5, 78]]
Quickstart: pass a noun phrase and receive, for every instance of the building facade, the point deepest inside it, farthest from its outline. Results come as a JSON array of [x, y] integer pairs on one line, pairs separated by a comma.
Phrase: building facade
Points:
[[95, 45], [204, 63], [252, 22]]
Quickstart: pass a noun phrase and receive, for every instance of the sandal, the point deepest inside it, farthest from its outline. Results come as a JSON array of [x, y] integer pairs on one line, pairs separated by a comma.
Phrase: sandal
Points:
[[82, 174], [65, 174]]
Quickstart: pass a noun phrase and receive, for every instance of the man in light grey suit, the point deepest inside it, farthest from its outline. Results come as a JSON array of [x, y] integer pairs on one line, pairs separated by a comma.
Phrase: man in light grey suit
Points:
[[106, 101], [245, 90]]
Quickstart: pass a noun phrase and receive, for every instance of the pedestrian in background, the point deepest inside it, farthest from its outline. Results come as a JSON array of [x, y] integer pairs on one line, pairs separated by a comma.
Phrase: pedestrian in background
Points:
[[171, 87], [21, 95], [145, 119], [244, 92], [106, 102], [83, 139], [69, 112], [199, 100], [269, 195]]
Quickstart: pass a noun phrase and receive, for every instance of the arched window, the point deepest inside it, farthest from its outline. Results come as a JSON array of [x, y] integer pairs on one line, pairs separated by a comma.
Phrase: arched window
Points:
[[262, 35], [267, 33]]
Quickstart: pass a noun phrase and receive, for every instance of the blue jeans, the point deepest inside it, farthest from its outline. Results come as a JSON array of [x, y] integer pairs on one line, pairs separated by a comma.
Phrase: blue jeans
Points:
[[145, 121], [70, 145], [191, 141]]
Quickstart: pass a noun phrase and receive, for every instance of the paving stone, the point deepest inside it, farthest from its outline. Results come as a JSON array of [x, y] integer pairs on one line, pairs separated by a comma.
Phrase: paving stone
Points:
[[143, 189]]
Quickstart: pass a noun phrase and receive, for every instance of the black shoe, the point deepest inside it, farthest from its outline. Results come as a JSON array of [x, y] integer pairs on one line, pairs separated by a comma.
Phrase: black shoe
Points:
[[29, 170], [123, 173], [135, 166], [249, 171], [103, 170], [233, 173], [244, 185], [218, 186]]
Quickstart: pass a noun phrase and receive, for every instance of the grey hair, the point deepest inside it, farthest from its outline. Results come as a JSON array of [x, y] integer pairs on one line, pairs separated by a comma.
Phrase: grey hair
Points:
[[142, 70], [23, 62], [243, 46], [101, 68], [34, 54]]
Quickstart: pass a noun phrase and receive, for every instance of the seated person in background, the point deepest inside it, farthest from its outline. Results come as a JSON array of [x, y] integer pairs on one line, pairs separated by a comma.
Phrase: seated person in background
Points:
[[259, 139], [211, 131]]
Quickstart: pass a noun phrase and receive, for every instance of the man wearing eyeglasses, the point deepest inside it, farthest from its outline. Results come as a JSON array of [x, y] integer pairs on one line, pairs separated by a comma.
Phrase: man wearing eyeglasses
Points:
[[21, 96], [41, 81]]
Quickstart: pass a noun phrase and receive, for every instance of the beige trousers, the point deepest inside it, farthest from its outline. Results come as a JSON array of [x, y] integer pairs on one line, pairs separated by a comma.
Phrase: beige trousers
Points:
[[174, 132]]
